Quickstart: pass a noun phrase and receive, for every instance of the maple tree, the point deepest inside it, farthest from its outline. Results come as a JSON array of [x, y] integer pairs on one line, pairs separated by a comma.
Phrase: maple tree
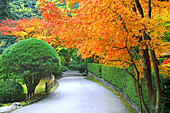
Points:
[[124, 33]]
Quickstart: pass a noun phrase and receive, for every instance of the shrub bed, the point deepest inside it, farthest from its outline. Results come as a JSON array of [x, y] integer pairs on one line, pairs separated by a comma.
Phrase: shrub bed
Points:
[[11, 91]]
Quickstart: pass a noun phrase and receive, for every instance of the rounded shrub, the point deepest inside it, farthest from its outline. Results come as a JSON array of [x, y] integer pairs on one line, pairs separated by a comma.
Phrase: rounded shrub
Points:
[[11, 91], [30, 59]]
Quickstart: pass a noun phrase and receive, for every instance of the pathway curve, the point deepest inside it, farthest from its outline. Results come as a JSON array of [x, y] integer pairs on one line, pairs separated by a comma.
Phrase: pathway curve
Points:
[[77, 94]]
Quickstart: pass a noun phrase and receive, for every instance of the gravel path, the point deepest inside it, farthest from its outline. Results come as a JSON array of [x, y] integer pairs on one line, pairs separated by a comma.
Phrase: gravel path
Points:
[[76, 94]]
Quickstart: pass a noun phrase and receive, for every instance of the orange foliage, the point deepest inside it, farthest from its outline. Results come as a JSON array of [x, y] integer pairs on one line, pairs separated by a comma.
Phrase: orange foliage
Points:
[[108, 29]]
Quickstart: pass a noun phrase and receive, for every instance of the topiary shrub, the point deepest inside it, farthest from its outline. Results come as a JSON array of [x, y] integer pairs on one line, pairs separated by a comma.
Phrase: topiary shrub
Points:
[[11, 91], [30, 59]]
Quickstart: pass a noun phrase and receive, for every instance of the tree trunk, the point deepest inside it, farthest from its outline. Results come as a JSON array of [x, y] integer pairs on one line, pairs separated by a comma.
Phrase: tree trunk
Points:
[[138, 89], [31, 89], [31, 83], [143, 102], [157, 81], [147, 78]]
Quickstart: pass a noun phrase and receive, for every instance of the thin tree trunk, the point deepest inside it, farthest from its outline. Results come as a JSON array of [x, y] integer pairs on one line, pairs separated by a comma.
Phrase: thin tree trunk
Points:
[[142, 99], [157, 81], [31, 89], [155, 65], [147, 78], [139, 93]]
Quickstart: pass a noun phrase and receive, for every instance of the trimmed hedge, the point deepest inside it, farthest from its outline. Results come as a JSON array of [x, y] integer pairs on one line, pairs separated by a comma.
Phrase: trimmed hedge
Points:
[[11, 91], [122, 80], [94, 68], [119, 78]]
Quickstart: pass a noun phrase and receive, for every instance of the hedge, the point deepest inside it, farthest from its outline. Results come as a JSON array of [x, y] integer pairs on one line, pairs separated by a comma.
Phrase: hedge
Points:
[[94, 68], [122, 80], [119, 78]]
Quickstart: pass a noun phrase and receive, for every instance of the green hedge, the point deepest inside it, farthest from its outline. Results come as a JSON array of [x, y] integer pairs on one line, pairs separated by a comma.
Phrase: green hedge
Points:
[[119, 78], [94, 68]]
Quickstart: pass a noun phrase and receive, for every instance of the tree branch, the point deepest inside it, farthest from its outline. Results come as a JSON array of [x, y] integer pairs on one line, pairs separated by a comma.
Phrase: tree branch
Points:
[[139, 7], [149, 8]]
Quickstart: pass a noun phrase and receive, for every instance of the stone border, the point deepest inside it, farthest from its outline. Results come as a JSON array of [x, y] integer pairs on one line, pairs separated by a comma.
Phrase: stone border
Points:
[[116, 89]]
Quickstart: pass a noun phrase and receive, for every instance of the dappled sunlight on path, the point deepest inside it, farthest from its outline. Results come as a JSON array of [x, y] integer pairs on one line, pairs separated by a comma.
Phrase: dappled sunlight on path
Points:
[[77, 94]]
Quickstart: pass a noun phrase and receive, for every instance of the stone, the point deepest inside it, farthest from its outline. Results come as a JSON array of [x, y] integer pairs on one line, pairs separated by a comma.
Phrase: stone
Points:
[[15, 105]]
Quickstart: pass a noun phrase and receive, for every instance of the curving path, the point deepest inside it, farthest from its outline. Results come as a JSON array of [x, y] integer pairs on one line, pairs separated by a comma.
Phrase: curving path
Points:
[[76, 94]]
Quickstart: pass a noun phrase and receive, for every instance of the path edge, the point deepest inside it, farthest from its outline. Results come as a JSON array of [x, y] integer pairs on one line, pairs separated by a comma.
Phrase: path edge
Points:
[[115, 89]]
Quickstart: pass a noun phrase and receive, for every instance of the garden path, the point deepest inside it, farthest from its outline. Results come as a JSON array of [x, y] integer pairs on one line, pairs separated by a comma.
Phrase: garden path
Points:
[[77, 94]]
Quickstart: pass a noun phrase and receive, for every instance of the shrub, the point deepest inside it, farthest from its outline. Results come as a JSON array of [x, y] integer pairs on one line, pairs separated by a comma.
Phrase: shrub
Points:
[[30, 59], [11, 91]]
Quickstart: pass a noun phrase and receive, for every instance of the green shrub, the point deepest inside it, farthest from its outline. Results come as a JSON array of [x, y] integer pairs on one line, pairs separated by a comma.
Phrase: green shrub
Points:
[[11, 91], [73, 66], [119, 78], [57, 73], [30, 59], [63, 68]]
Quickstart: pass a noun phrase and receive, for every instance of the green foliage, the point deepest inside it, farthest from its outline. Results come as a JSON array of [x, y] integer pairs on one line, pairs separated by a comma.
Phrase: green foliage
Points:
[[166, 38], [24, 9], [66, 55], [11, 91], [9, 40], [165, 94], [2, 75], [57, 73], [76, 62], [63, 68], [95, 69], [30, 59], [5, 12]]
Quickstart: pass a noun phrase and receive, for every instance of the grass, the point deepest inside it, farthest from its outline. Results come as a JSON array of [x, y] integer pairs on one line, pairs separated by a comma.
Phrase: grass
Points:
[[126, 103]]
